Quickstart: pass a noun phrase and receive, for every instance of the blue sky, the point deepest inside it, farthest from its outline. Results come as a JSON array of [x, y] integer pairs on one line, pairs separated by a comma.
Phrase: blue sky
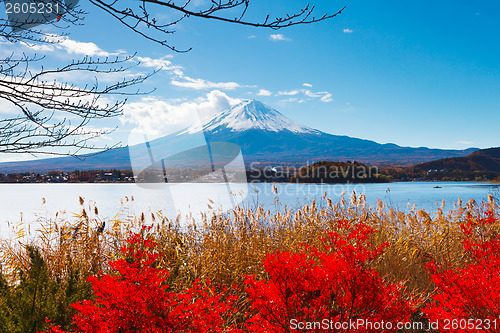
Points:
[[416, 74]]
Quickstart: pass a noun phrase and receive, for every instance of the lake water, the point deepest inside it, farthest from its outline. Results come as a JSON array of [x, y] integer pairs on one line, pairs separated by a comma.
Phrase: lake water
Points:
[[29, 202]]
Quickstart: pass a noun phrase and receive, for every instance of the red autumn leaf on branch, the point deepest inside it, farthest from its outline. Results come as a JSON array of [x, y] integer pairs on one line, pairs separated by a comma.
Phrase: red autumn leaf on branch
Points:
[[469, 297], [333, 283]]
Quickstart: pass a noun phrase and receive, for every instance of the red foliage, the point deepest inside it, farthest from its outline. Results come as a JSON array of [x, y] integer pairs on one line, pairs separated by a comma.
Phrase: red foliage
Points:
[[138, 299], [333, 284], [469, 298], [53, 329]]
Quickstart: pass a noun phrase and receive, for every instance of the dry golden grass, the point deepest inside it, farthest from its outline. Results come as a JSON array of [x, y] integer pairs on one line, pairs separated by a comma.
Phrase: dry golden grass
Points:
[[83, 244]]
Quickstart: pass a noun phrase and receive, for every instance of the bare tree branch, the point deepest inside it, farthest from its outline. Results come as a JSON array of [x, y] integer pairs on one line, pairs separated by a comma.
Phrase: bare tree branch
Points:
[[47, 107], [141, 21]]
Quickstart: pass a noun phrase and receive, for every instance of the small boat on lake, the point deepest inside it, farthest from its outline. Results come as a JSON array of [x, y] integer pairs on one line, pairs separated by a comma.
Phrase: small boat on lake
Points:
[[437, 186]]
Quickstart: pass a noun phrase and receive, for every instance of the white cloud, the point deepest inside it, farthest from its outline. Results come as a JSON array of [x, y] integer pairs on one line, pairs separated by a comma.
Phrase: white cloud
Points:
[[200, 84], [160, 117], [178, 72], [252, 37], [70, 46], [161, 63], [278, 37], [324, 96], [288, 93], [82, 48], [179, 79], [264, 92], [466, 143], [293, 100], [347, 31], [165, 63], [7, 108], [307, 85], [311, 94], [40, 47], [327, 98]]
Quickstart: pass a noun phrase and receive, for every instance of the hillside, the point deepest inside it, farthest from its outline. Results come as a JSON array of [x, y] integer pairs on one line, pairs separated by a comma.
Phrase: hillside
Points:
[[329, 172], [481, 165], [481, 160]]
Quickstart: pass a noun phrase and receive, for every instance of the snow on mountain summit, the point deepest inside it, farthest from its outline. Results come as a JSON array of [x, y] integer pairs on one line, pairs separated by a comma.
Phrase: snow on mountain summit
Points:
[[248, 115]]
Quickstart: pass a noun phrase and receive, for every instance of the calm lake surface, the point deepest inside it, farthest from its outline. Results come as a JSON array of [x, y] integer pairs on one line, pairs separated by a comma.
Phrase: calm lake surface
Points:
[[32, 202]]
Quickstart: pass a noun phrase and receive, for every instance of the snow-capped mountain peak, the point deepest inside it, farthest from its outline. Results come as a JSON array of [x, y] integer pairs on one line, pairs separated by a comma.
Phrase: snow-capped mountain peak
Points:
[[250, 115]]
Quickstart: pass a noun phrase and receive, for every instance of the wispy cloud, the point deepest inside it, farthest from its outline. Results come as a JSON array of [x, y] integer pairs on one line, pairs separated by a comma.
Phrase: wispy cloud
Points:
[[278, 37], [180, 79], [288, 93], [165, 63], [40, 47], [327, 98], [347, 31], [264, 92], [70, 46], [200, 84], [324, 96], [293, 100], [161, 63], [252, 37], [82, 48], [466, 143]]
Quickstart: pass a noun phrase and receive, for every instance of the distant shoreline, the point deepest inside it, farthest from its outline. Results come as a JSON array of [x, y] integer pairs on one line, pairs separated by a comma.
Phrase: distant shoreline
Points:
[[496, 183]]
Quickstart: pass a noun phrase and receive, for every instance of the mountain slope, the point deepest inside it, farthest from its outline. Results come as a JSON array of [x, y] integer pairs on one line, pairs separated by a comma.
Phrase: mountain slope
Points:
[[294, 143], [264, 135], [250, 115], [481, 160]]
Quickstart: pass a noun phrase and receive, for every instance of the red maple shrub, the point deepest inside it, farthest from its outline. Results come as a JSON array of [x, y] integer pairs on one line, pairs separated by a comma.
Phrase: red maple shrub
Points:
[[137, 299], [468, 298], [332, 285]]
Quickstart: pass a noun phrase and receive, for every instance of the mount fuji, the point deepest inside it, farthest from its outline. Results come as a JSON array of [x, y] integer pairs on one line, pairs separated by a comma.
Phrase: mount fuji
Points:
[[250, 115], [262, 133]]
